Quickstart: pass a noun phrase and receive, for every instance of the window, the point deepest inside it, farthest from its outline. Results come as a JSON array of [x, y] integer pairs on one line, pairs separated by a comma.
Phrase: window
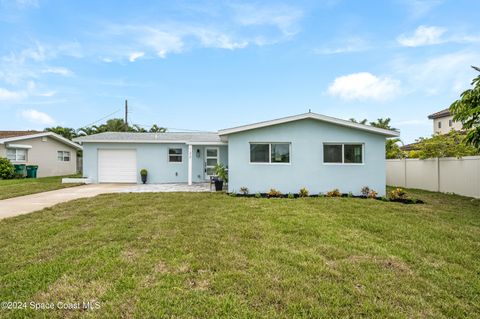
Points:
[[439, 124], [175, 155], [270, 153], [343, 153], [450, 122], [63, 156], [17, 154]]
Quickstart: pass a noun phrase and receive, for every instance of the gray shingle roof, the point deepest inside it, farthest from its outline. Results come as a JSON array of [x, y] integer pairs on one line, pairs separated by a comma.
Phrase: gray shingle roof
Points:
[[168, 137]]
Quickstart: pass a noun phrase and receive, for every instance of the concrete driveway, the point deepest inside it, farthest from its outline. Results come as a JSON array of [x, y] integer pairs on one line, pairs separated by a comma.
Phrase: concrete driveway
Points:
[[30, 203]]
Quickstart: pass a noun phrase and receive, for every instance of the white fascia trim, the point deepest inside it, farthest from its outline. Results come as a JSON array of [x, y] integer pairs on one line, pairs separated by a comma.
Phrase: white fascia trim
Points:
[[314, 116], [207, 143], [18, 146], [43, 134], [154, 142]]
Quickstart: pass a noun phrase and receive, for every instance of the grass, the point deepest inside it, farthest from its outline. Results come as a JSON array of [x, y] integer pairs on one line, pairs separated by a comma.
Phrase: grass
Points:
[[199, 255], [24, 186]]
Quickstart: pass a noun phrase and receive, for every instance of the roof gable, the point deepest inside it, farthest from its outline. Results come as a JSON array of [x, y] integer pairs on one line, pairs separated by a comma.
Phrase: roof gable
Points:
[[314, 116], [40, 134]]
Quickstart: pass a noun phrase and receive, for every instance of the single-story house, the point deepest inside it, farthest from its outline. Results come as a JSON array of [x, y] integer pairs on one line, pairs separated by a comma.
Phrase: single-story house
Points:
[[308, 150], [54, 154]]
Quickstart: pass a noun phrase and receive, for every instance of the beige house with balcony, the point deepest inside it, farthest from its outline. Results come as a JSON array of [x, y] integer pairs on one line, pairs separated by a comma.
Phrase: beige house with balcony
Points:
[[54, 154], [443, 122]]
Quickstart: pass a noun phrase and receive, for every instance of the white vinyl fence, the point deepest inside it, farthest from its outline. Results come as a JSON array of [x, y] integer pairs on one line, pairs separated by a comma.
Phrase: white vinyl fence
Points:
[[448, 175]]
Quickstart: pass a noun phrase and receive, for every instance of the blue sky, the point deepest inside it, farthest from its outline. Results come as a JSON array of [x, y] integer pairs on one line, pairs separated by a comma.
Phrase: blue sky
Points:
[[207, 65]]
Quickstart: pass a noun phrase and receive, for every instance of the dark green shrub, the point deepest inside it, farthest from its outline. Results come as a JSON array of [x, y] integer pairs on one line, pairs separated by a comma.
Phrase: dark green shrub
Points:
[[6, 168]]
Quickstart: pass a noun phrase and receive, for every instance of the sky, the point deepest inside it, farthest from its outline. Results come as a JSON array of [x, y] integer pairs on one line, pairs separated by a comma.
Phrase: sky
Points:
[[208, 65]]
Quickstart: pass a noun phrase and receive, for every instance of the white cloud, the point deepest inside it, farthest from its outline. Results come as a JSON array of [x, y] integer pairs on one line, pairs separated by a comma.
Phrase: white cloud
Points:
[[37, 117], [212, 39], [423, 35], [58, 71], [348, 46], [7, 95], [364, 86], [135, 55], [443, 73], [283, 17], [419, 8]]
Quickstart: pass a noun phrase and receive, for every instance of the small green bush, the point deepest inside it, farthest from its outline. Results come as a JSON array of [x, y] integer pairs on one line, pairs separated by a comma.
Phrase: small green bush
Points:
[[398, 193], [143, 172], [7, 170], [258, 195], [291, 196], [233, 194], [350, 194], [303, 192]]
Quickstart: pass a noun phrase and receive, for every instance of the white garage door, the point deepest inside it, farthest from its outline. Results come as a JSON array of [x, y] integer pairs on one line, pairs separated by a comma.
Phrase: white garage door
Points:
[[117, 166]]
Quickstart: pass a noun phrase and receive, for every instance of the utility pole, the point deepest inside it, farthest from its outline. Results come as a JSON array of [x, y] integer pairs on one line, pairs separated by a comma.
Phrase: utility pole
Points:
[[126, 116]]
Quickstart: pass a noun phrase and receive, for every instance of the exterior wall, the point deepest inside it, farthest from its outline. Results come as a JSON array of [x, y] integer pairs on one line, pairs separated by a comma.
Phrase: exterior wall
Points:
[[306, 168], [44, 154], [154, 158], [449, 175], [457, 126]]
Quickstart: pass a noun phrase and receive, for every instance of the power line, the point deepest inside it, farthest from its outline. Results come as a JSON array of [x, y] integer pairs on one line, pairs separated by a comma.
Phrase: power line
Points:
[[101, 118]]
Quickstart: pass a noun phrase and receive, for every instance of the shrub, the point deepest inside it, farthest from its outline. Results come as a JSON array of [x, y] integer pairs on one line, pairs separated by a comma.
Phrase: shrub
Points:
[[143, 172], [365, 191], [321, 194], [233, 194], [350, 194], [6, 168], [221, 171], [334, 193], [273, 193], [303, 192], [291, 196], [244, 190], [258, 195], [372, 194], [398, 193]]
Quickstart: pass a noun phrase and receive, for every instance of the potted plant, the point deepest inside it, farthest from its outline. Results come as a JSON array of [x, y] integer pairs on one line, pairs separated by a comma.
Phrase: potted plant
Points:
[[222, 176], [143, 174]]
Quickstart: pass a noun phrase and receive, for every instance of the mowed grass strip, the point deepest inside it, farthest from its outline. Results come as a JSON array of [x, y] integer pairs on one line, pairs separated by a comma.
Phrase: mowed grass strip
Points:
[[203, 255], [25, 186]]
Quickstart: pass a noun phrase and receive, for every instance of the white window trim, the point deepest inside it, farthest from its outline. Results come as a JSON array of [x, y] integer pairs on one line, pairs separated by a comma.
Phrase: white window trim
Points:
[[343, 153], [63, 156], [270, 154], [17, 149], [168, 155]]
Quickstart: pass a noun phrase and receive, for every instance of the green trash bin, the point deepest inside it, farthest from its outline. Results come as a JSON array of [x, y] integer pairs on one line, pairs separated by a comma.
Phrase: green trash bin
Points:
[[20, 170], [32, 171]]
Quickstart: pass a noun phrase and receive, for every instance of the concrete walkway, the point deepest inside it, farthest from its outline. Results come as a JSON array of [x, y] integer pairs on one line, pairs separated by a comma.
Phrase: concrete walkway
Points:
[[30, 203]]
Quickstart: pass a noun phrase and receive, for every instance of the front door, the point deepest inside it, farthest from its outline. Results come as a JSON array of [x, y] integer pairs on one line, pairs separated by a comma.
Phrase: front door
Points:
[[211, 159]]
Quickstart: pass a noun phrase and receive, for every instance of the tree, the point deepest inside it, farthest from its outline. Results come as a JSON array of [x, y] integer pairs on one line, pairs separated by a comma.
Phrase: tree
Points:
[[443, 145], [364, 121], [467, 111], [392, 149], [156, 129], [67, 132], [118, 125], [383, 123]]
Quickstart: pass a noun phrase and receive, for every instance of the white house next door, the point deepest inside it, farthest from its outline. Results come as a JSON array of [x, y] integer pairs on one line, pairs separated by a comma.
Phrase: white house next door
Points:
[[211, 159]]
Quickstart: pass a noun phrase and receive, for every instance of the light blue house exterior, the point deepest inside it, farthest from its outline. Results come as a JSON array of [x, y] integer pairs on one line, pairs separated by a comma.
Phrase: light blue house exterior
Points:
[[308, 150]]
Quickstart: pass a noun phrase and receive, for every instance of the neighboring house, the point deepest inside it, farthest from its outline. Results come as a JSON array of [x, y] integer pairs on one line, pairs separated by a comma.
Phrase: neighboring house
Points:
[[307, 150], [443, 122], [54, 154]]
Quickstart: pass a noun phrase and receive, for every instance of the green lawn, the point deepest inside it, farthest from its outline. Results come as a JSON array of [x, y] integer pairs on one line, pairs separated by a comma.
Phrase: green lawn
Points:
[[25, 186], [202, 255]]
